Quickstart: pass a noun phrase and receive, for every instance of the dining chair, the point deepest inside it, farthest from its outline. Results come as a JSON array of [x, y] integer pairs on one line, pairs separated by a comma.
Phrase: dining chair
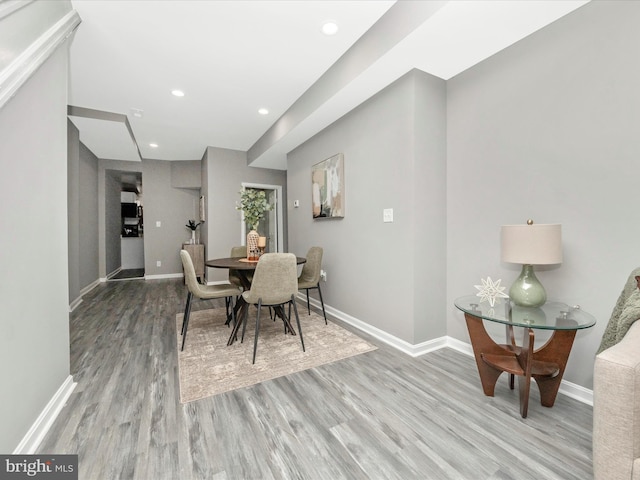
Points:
[[274, 285], [234, 277], [201, 292], [310, 276]]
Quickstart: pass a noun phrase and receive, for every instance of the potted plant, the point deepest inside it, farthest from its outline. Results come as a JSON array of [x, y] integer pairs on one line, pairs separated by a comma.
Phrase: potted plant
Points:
[[192, 225], [253, 203]]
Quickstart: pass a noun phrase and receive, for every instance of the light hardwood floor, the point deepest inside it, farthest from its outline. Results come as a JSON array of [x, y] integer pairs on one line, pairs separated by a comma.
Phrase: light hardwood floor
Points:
[[380, 415]]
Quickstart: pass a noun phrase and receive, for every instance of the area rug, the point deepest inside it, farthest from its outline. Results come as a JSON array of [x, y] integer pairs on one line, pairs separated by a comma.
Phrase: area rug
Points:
[[207, 366]]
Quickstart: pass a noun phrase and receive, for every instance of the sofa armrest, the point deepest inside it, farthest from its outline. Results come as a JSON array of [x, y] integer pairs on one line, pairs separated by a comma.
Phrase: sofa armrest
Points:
[[616, 409], [636, 469]]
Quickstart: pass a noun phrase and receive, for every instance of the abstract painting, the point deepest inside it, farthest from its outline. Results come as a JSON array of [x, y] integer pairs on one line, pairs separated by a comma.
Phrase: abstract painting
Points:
[[327, 183]]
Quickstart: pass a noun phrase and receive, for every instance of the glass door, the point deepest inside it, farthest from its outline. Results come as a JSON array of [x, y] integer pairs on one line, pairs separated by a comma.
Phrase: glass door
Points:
[[271, 225]]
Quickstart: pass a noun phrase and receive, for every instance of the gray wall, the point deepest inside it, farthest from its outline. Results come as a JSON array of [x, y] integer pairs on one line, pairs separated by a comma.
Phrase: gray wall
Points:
[[88, 215], [546, 129], [225, 171], [34, 293], [82, 178], [113, 221], [73, 209], [389, 275], [186, 174], [172, 207], [549, 129]]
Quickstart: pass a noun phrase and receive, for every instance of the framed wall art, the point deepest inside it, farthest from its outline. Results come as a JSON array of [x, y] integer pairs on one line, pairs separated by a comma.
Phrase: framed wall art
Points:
[[327, 188]]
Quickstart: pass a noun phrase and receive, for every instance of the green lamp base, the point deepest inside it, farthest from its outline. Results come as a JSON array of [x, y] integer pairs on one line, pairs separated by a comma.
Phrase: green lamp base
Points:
[[527, 291]]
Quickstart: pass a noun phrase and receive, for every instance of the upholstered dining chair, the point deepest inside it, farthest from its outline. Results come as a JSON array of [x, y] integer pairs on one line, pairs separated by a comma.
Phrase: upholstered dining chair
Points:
[[234, 279], [310, 276], [274, 284], [201, 292]]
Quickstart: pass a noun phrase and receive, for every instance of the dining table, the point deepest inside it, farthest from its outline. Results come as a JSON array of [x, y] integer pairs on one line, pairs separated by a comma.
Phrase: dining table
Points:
[[244, 269]]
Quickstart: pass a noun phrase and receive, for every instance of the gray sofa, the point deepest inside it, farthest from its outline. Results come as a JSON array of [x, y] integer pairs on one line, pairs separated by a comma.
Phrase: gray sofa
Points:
[[616, 392]]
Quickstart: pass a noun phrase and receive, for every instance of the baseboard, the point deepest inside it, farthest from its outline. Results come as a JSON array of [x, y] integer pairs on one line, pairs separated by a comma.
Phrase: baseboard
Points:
[[41, 426], [166, 275], [73, 305], [577, 392], [89, 287], [114, 273], [569, 389], [460, 346]]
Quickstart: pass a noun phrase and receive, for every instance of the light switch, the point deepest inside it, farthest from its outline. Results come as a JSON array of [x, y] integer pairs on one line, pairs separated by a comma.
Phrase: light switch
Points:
[[387, 215], [296, 203], [158, 224]]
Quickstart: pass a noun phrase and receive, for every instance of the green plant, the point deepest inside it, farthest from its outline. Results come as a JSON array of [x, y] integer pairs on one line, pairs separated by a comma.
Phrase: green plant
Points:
[[253, 203]]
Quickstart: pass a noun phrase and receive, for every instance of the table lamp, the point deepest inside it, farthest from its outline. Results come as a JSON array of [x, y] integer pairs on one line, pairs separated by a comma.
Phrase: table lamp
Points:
[[530, 244]]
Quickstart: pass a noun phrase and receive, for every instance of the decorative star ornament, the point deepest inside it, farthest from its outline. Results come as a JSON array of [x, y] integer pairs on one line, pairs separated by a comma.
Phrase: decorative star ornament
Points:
[[489, 291]]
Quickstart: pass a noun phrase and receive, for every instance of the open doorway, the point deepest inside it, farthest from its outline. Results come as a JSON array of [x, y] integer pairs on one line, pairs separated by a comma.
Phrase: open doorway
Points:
[[131, 217], [272, 225]]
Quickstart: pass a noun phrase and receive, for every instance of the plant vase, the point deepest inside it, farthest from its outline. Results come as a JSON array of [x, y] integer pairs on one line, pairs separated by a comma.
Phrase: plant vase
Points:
[[253, 253], [193, 237]]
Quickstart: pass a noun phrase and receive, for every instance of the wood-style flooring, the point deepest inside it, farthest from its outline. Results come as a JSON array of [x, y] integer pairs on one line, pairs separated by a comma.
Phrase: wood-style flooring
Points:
[[379, 415]]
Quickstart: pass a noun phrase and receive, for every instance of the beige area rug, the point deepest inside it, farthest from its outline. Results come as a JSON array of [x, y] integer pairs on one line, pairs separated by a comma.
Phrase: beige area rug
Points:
[[207, 366]]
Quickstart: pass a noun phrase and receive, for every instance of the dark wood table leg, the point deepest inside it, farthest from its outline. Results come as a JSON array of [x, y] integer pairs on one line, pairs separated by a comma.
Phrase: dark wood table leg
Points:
[[555, 351], [525, 359], [241, 308], [545, 365], [482, 343], [511, 340]]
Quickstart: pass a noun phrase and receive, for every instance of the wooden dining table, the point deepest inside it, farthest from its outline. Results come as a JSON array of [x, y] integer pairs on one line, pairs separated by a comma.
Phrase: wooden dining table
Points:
[[244, 267]]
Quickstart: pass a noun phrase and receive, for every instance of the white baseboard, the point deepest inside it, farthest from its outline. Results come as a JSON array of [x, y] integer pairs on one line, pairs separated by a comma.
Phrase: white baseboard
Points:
[[577, 392], [569, 389], [41, 426], [114, 273], [166, 275], [73, 305], [90, 287]]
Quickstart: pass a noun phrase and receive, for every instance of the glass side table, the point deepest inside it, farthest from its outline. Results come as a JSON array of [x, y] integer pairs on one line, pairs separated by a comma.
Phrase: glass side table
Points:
[[545, 365]]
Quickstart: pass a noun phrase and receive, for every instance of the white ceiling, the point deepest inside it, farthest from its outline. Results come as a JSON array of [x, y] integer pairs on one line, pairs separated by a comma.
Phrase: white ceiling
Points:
[[233, 57]]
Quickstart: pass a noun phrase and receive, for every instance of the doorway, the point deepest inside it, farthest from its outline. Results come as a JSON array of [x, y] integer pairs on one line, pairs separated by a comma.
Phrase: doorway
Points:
[[272, 225], [125, 225]]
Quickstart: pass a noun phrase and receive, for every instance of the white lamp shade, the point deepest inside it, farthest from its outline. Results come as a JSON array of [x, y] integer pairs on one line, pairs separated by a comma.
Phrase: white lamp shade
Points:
[[536, 244]]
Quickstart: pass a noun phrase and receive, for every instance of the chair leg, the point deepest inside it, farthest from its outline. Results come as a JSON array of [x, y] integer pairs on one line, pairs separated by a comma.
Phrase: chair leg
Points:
[[285, 320], [322, 303], [295, 310], [226, 306], [308, 306], [187, 306], [185, 321], [255, 340], [244, 323]]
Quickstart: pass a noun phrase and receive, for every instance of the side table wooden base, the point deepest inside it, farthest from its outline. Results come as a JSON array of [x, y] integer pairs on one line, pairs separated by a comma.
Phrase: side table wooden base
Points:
[[545, 365]]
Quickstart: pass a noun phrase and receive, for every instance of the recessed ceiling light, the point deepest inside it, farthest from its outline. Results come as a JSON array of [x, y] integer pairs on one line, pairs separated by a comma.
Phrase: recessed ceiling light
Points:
[[177, 93], [136, 112], [329, 27], [263, 111], [153, 145]]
